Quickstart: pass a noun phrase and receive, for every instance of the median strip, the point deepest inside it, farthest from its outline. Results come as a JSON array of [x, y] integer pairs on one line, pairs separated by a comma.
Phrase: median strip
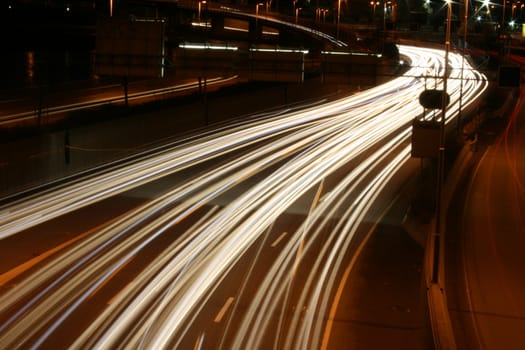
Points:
[[279, 239], [223, 311]]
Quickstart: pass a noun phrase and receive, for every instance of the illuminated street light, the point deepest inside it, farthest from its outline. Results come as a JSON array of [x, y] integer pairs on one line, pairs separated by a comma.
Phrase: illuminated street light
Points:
[[465, 26], [203, 2], [374, 4], [320, 14], [297, 14], [503, 15], [257, 16], [388, 7], [384, 16], [257, 8], [338, 16], [324, 11]]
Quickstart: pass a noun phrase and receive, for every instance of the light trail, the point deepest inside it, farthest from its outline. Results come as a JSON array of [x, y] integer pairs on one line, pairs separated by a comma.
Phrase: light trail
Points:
[[290, 153]]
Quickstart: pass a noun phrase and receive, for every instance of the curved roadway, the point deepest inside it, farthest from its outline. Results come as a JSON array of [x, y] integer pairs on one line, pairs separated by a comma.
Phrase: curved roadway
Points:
[[311, 182]]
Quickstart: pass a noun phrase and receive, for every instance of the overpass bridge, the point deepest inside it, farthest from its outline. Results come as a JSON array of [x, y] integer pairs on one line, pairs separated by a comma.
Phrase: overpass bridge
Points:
[[254, 24]]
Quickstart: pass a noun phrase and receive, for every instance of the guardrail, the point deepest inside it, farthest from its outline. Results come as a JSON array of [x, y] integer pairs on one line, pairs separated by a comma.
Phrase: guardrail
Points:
[[35, 115]]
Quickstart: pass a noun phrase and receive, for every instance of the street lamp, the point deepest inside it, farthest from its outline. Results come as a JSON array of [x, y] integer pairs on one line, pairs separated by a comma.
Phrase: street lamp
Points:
[[321, 14], [257, 8], [465, 26], [338, 16], [374, 4], [441, 155], [297, 14], [257, 16], [384, 16], [503, 16], [203, 2]]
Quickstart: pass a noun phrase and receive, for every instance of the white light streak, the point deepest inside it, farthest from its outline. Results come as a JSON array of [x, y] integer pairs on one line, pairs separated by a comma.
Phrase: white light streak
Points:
[[285, 155]]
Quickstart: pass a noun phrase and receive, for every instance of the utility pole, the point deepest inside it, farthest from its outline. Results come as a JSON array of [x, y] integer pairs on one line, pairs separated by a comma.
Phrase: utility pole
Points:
[[438, 236], [465, 26]]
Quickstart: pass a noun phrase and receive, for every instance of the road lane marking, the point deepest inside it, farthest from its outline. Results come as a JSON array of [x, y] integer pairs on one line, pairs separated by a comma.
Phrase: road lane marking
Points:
[[198, 342], [340, 287], [20, 269], [224, 309], [346, 275], [113, 274], [323, 198], [15, 272], [300, 249], [110, 301], [279, 239]]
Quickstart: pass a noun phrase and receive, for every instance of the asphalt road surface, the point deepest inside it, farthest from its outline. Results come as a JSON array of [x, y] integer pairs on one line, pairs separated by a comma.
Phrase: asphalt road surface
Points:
[[487, 239], [251, 235]]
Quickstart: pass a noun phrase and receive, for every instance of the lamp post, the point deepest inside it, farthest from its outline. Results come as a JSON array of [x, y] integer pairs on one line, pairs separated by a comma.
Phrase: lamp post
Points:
[[321, 14], [384, 16], [338, 16], [374, 4], [297, 14], [257, 18], [503, 16], [438, 237], [324, 15], [203, 2], [257, 9], [465, 26]]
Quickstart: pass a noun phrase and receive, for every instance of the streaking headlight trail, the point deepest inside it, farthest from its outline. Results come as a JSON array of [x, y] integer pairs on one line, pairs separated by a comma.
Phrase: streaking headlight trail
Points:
[[284, 156]]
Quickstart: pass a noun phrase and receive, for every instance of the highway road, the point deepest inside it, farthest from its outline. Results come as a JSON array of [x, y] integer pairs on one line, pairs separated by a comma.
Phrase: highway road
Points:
[[239, 237], [486, 262]]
